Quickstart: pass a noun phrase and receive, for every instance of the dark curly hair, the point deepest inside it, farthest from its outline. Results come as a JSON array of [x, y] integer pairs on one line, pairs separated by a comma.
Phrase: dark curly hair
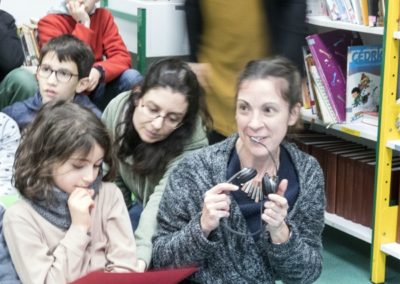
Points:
[[152, 158]]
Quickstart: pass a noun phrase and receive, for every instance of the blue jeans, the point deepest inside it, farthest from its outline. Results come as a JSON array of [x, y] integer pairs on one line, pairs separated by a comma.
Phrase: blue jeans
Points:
[[135, 210], [7, 271], [104, 93]]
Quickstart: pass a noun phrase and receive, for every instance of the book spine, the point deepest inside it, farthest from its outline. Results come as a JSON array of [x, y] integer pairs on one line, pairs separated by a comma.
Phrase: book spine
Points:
[[331, 74], [364, 11], [327, 111]]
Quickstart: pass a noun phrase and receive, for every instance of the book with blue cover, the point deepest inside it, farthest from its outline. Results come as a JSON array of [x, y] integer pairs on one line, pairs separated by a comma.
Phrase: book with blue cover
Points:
[[363, 82]]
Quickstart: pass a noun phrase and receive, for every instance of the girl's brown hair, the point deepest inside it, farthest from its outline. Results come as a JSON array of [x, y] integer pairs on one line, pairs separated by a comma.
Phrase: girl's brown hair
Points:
[[59, 130]]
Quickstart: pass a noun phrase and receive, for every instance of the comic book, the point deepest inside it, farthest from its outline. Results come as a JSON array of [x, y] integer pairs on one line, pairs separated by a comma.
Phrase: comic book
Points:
[[363, 82]]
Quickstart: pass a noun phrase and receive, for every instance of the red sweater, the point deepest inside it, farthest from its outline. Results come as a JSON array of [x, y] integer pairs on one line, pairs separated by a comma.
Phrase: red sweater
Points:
[[103, 37]]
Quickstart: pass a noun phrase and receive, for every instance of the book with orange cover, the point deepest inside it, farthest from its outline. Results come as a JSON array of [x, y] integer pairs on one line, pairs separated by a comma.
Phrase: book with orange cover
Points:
[[167, 276]]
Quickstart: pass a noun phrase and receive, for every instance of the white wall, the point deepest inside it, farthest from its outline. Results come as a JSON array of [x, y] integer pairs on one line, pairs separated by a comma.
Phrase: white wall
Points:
[[23, 10]]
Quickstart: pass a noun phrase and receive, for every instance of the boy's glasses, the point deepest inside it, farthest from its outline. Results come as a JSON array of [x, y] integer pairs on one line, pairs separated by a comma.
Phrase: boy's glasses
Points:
[[62, 75], [168, 120]]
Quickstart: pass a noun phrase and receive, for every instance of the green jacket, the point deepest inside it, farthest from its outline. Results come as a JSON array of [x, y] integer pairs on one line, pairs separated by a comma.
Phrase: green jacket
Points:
[[148, 190]]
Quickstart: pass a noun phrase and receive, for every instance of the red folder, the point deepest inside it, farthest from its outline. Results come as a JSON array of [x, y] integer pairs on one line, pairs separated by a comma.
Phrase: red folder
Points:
[[168, 276]]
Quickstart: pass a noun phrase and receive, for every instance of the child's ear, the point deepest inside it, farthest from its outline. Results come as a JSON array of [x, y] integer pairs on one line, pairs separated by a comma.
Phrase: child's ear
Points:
[[83, 84]]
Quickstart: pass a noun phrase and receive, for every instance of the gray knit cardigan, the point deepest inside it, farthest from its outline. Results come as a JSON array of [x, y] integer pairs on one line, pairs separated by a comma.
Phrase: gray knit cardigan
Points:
[[224, 257]]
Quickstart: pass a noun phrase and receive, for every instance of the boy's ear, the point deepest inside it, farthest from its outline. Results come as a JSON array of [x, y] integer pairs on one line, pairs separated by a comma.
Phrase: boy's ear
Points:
[[83, 84]]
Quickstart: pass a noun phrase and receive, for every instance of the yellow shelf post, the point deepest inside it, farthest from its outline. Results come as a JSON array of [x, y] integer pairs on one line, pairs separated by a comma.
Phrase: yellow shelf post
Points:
[[386, 216]]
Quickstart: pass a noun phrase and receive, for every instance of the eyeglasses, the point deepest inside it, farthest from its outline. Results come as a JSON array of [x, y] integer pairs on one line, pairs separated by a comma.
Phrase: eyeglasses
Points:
[[62, 75], [169, 120]]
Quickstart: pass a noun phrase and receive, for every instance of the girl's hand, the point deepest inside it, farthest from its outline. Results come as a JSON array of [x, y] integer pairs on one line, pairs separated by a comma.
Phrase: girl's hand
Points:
[[275, 212], [216, 206], [80, 203]]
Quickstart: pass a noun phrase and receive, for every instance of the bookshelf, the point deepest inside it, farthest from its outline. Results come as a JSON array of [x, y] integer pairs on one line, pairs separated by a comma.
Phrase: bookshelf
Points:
[[386, 215], [385, 137], [324, 21], [359, 129]]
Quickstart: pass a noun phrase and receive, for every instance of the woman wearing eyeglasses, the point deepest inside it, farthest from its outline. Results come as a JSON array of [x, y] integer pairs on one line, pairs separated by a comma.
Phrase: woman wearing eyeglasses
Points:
[[153, 126]]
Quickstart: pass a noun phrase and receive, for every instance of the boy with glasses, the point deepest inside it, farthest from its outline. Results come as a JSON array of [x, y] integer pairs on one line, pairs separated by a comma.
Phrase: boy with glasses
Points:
[[111, 73], [63, 71]]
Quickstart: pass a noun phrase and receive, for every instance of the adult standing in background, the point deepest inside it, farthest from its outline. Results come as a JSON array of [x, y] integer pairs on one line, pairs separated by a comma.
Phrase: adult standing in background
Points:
[[11, 57], [111, 73], [224, 36]]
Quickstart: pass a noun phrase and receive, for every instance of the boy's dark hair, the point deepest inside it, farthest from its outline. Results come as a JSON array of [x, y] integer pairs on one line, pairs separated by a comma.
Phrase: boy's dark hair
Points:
[[69, 48], [59, 130], [151, 159]]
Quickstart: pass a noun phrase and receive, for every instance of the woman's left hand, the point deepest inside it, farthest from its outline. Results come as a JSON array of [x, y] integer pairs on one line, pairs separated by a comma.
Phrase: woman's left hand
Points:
[[275, 212]]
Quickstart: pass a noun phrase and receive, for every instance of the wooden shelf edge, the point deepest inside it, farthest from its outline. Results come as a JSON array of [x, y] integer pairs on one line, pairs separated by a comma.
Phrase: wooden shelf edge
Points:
[[392, 249], [324, 21], [356, 230]]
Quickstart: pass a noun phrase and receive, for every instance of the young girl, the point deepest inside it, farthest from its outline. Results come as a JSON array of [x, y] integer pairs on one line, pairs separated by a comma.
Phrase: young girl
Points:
[[68, 221], [154, 126]]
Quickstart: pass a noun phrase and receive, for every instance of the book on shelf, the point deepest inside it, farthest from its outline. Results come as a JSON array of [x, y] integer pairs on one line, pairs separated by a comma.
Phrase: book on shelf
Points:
[[351, 16], [316, 8], [333, 10], [373, 8], [364, 12], [28, 36], [363, 83], [332, 172], [325, 108], [309, 96], [357, 11], [351, 168], [329, 51], [343, 189]]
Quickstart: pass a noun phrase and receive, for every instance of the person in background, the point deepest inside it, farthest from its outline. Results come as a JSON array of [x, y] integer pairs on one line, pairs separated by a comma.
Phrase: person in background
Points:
[[11, 57], [223, 38], [111, 73], [257, 242], [9, 141], [69, 219], [153, 127], [63, 71]]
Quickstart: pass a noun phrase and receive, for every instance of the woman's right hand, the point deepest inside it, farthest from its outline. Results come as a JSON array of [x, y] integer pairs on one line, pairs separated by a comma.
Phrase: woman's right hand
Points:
[[216, 206], [80, 203]]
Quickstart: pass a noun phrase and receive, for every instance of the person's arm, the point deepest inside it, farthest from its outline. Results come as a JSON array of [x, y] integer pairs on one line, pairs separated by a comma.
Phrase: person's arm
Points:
[[11, 53], [112, 116], [299, 259], [25, 243], [117, 58], [9, 137], [121, 248], [147, 226], [180, 240]]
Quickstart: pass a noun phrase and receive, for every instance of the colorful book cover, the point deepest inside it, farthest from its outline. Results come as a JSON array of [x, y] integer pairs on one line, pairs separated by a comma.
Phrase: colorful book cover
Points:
[[308, 61], [363, 81], [329, 51]]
